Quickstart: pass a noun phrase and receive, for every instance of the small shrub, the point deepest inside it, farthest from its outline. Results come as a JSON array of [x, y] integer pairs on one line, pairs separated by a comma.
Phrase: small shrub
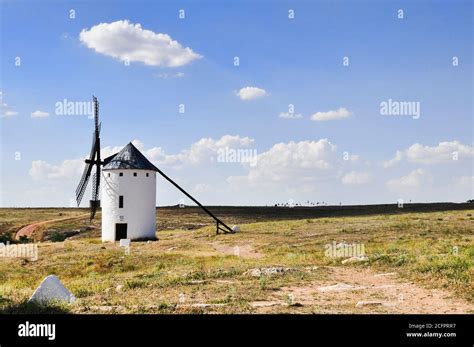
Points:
[[135, 284], [24, 239], [82, 293], [4, 238], [57, 237]]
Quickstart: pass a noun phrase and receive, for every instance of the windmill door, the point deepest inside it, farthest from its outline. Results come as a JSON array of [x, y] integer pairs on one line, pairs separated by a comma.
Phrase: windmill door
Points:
[[120, 231]]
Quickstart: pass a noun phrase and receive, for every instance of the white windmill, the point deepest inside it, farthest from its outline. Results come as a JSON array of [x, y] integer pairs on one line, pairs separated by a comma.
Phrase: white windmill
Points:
[[128, 196], [128, 192]]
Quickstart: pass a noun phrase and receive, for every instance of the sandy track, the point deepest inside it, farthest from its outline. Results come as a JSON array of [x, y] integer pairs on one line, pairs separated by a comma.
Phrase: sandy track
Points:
[[356, 290], [349, 289], [29, 229]]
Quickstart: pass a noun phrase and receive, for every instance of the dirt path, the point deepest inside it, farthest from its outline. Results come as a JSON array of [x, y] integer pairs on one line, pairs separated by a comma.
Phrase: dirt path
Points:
[[354, 290], [30, 228]]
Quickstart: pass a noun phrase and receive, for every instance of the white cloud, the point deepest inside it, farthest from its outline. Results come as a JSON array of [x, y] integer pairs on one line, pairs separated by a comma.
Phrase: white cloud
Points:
[[41, 170], [5, 109], [204, 150], [392, 162], [8, 113], [39, 114], [126, 41], [295, 164], [298, 170], [340, 113], [414, 179], [290, 115], [355, 177], [447, 151], [251, 93], [201, 152], [291, 165]]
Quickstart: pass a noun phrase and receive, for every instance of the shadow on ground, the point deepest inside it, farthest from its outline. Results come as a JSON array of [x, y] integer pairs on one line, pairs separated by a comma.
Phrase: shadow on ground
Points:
[[25, 307]]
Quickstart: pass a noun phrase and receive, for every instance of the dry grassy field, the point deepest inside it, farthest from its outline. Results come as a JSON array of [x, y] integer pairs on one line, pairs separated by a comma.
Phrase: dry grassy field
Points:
[[419, 260]]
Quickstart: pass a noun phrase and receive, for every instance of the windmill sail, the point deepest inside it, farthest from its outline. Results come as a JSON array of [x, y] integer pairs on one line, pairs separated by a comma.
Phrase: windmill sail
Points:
[[81, 188], [94, 160]]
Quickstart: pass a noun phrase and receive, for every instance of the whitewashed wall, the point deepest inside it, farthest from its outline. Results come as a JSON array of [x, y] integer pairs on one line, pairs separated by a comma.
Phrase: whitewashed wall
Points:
[[139, 208]]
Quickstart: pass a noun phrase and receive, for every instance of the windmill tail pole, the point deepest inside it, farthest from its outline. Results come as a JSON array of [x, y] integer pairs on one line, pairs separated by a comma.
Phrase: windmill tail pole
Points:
[[226, 228]]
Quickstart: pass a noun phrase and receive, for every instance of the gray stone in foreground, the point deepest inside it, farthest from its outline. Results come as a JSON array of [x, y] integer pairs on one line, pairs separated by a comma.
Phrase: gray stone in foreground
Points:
[[51, 290], [268, 271]]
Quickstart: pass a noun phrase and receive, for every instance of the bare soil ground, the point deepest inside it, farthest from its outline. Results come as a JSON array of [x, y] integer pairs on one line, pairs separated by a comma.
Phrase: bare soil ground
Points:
[[29, 230], [355, 290]]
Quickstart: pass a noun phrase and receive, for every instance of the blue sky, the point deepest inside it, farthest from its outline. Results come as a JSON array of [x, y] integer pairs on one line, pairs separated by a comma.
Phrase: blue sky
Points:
[[295, 61]]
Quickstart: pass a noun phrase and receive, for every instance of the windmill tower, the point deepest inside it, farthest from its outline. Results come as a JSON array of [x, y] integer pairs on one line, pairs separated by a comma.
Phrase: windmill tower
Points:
[[128, 196], [128, 193]]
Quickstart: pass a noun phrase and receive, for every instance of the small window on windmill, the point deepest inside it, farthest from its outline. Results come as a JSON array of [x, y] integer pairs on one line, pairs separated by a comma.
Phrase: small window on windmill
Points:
[[147, 174], [135, 174], [108, 175], [121, 201], [121, 174]]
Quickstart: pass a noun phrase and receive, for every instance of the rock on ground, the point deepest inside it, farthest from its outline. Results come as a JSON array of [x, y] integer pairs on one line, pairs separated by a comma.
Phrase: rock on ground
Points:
[[52, 290], [269, 271]]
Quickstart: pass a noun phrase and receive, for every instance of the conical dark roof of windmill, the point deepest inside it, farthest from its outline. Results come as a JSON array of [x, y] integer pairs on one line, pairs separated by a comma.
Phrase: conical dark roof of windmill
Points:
[[128, 158]]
